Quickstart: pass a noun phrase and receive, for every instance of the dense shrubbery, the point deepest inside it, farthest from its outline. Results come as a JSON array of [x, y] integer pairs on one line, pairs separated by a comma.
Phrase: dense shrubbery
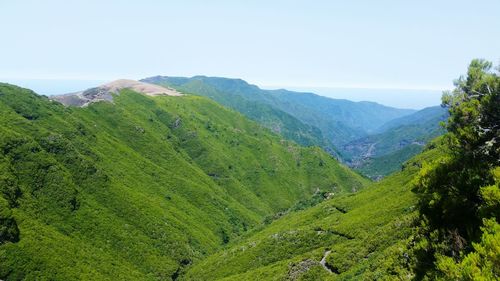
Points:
[[179, 188], [140, 188], [367, 234], [457, 181], [459, 192]]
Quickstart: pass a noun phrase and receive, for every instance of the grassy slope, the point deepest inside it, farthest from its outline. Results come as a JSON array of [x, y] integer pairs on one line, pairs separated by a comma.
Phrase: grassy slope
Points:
[[255, 106], [339, 121], [346, 129], [366, 232], [137, 189]]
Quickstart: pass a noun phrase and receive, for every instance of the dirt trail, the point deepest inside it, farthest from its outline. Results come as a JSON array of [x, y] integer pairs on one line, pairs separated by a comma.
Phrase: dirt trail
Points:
[[323, 262]]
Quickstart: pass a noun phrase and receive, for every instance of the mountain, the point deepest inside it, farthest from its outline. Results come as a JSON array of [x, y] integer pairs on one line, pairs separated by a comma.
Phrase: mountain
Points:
[[105, 92], [364, 116], [339, 121], [362, 236], [140, 187], [252, 107], [429, 115], [137, 183], [395, 142]]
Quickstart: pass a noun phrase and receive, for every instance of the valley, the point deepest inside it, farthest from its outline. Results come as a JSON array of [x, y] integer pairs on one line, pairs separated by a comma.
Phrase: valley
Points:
[[249, 140], [362, 135], [152, 184], [140, 181]]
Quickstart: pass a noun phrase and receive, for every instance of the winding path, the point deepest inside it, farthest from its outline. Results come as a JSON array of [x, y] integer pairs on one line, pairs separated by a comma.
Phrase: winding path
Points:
[[323, 262]]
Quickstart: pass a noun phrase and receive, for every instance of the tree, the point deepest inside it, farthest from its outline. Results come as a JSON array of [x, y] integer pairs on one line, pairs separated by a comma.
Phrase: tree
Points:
[[461, 189]]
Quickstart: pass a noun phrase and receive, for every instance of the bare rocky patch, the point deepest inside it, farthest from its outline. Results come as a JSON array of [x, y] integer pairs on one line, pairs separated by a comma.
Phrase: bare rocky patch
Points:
[[105, 92]]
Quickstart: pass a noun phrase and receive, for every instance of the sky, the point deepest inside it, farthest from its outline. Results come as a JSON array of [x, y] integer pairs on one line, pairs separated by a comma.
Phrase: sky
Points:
[[416, 45]]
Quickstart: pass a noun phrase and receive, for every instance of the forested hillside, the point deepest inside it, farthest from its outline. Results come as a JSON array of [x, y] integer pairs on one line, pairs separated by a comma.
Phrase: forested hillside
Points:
[[339, 121], [250, 101], [140, 187], [372, 138], [250, 140], [152, 186], [383, 152], [359, 237], [437, 219]]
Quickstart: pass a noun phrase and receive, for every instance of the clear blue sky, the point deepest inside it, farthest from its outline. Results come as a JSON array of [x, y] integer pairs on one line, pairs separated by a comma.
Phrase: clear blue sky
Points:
[[371, 44]]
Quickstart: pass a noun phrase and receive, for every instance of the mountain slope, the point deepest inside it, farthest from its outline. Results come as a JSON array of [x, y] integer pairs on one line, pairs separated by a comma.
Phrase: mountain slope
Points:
[[365, 116], [395, 142], [363, 236], [232, 94], [139, 188], [340, 121]]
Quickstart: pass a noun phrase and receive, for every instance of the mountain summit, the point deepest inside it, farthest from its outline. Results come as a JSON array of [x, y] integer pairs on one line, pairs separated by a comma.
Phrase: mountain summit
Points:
[[105, 92]]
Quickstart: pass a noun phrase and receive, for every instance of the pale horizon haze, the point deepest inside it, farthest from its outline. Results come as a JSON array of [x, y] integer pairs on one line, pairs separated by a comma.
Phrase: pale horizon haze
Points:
[[412, 46]]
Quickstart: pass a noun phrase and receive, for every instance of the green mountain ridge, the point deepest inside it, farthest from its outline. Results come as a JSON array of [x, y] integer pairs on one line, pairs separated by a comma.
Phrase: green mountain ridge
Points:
[[144, 182], [372, 138], [382, 153], [141, 187], [362, 236], [339, 121], [426, 115], [252, 107]]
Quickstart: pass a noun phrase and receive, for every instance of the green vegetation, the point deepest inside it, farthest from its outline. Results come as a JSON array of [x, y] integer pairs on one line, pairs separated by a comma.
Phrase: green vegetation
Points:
[[250, 101], [397, 141], [140, 188], [384, 165], [181, 188], [449, 230], [365, 236], [372, 138], [459, 194], [301, 116]]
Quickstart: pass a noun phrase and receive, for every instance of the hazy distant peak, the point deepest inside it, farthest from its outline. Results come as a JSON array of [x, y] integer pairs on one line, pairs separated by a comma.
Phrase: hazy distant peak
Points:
[[105, 92]]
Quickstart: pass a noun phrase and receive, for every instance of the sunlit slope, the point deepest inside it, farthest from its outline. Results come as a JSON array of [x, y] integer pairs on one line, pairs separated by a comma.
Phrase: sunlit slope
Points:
[[303, 117], [360, 236], [139, 188]]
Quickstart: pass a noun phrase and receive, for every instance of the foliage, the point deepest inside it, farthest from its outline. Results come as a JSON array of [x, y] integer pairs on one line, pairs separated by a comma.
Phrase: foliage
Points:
[[367, 234], [460, 189], [483, 263], [322, 121], [251, 102], [343, 128], [140, 188]]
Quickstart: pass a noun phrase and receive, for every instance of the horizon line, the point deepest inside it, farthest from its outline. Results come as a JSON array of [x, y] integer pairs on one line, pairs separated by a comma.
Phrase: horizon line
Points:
[[267, 86]]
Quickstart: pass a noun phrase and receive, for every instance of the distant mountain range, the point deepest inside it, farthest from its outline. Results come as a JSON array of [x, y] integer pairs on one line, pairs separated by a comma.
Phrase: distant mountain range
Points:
[[358, 133], [395, 142]]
